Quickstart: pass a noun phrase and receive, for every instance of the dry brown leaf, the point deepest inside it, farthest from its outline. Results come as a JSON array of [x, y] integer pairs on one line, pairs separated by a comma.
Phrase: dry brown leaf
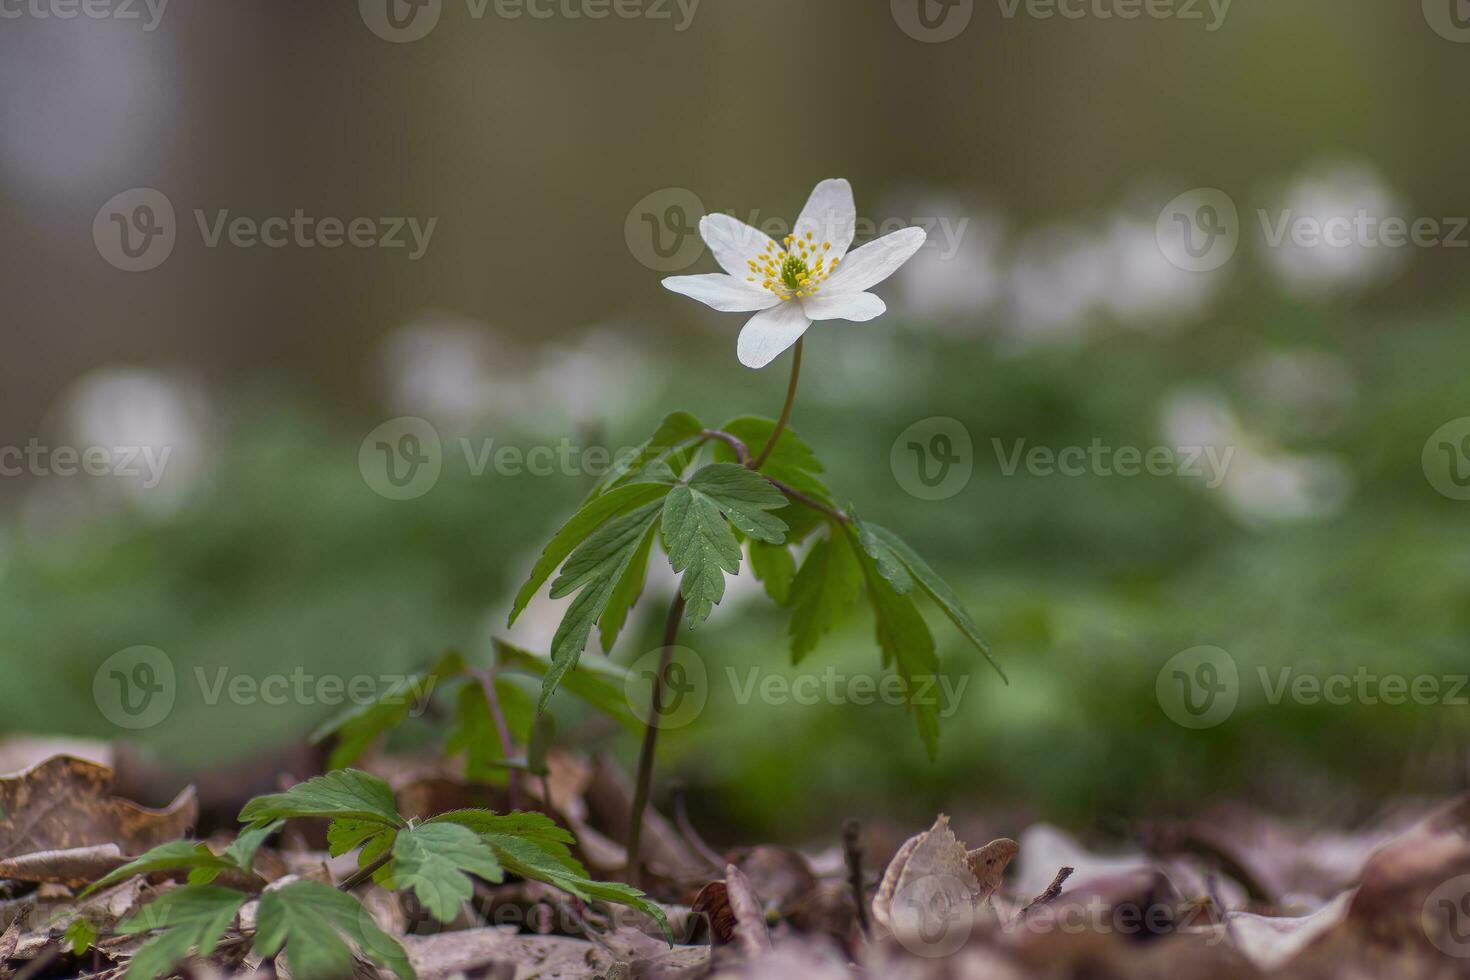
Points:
[[929, 896], [751, 934], [73, 866], [66, 803]]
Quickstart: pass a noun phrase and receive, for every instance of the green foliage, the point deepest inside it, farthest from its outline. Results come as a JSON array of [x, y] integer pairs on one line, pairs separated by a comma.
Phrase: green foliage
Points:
[[314, 923], [775, 567], [698, 538], [901, 566], [791, 461], [599, 682], [675, 429], [193, 918], [178, 855], [435, 860], [360, 725], [80, 935], [593, 572], [825, 589], [340, 793]]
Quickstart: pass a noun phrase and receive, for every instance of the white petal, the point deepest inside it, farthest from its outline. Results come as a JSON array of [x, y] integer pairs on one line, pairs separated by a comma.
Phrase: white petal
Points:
[[734, 243], [875, 261], [857, 307], [830, 216], [725, 293], [769, 333]]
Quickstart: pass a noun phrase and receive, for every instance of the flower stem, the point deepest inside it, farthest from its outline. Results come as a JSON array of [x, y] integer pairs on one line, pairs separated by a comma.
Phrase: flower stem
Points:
[[650, 741], [770, 446], [364, 873]]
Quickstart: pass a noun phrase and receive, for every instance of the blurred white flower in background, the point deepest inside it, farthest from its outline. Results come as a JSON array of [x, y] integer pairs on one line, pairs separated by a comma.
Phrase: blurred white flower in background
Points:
[[1143, 289], [1263, 485], [156, 430], [458, 372], [1342, 190], [1304, 392], [1056, 284], [956, 278]]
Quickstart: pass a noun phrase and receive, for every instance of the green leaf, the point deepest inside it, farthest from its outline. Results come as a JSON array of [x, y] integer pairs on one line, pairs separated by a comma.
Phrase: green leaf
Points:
[[901, 566], [595, 568], [775, 567], [700, 543], [341, 793], [194, 917], [825, 589], [243, 848], [177, 855], [347, 834], [475, 733], [80, 935], [315, 922], [533, 829], [594, 513], [676, 428], [791, 461], [908, 646], [599, 682], [626, 593], [359, 726], [436, 860]]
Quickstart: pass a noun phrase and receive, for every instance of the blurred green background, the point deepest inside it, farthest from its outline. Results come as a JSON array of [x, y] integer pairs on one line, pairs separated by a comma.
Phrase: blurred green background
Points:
[[1047, 147]]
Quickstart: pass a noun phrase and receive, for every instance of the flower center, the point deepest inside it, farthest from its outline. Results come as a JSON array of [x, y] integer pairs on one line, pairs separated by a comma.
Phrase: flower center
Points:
[[795, 271]]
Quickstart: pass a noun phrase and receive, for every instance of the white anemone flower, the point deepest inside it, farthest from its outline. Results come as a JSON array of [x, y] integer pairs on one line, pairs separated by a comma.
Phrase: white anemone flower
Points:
[[810, 276]]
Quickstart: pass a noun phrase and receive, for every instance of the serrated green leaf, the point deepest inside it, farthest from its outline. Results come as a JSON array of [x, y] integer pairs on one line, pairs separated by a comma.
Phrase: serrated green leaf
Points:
[[827, 586], [907, 646], [534, 829], [177, 855], [599, 682], [593, 514], [360, 725], [595, 567], [676, 428], [775, 567], [698, 538], [626, 592], [194, 918], [889, 550], [791, 461], [314, 923], [80, 935], [340, 793], [435, 861]]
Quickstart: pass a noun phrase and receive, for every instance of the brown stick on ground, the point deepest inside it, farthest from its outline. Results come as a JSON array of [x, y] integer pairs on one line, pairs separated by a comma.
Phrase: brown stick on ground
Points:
[[853, 852], [1052, 890]]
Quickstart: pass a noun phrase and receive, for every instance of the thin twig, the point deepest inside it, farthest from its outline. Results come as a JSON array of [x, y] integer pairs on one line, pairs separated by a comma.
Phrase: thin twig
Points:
[[1052, 891], [852, 851], [812, 502], [650, 741], [770, 446], [502, 730], [742, 452]]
